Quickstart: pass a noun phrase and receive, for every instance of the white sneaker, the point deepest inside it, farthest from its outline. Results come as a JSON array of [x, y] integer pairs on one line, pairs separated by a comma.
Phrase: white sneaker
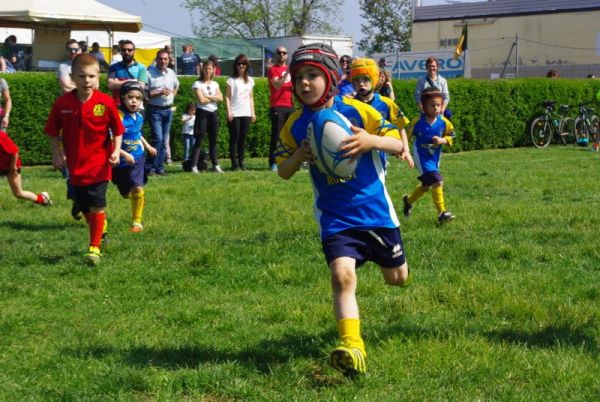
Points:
[[47, 201], [217, 169], [195, 170]]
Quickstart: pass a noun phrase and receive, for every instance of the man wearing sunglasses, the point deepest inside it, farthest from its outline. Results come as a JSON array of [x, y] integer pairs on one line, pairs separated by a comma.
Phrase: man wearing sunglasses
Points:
[[127, 70], [64, 69], [280, 87]]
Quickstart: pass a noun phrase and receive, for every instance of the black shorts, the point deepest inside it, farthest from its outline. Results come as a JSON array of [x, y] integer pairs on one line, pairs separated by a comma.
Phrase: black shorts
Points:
[[128, 177], [430, 178], [383, 246], [92, 196]]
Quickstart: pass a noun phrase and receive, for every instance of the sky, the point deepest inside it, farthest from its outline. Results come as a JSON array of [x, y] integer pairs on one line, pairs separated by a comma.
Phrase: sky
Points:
[[174, 20]]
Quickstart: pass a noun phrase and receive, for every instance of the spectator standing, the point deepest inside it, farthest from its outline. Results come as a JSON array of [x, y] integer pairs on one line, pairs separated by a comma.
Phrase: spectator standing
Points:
[[215, 61], [187, 129], [280, 89], [207, 94], [189, 62], [5, 105], [385, 85], [345, 87], [14, 54], [126, 70], [433, 79], [64, 68], [171, 65], [116, 55], [162, 89], [239, 100], [99, 56], [84, 46]]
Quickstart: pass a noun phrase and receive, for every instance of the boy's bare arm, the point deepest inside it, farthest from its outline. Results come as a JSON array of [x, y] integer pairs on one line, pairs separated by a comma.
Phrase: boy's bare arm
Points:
[[362, 142], [291, 165], [114, 156], [58, 156]]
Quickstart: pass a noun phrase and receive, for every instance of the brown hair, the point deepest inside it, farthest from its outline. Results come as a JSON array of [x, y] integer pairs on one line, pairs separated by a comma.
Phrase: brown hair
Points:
[[431, 60], [242, 59]]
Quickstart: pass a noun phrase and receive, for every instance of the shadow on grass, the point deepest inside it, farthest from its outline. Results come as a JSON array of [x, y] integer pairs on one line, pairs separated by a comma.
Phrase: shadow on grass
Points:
[[257, 358], [33, 227], [550, 337]]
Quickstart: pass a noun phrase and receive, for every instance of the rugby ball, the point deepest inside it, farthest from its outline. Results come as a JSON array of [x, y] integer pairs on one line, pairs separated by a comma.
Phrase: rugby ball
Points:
[[326, 131]]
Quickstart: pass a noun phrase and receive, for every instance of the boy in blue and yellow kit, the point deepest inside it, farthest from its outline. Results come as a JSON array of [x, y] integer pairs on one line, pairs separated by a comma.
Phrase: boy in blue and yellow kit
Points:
[[430, 131], [364, 74], [130, 175], [356, 217]]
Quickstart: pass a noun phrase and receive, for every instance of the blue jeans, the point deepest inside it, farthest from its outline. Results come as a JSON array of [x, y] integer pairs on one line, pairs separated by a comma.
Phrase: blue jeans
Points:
[[188, 145], [160, 124]]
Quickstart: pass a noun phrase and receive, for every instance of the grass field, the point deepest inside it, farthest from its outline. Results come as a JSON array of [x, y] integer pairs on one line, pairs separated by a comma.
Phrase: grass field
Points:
[[226, 295]]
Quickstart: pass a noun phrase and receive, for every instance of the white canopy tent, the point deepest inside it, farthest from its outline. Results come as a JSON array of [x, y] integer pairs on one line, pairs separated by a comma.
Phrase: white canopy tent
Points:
[[53, 21]]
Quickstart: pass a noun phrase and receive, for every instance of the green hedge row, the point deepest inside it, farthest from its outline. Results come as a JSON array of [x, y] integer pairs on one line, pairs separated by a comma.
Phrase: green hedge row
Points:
[[487, 114]]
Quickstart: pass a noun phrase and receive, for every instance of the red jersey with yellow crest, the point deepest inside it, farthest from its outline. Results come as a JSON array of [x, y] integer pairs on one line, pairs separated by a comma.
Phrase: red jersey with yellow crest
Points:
[[86, 130]]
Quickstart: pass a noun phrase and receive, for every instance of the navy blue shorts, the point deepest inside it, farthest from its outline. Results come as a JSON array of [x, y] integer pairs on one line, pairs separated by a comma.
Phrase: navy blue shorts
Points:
[[430, 178], [92, 196], [383, 246], [128, 177]]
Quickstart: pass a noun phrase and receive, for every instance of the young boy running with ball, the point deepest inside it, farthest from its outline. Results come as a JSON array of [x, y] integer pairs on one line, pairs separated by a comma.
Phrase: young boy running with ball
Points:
[[430, 132], [356, 218], [364, 74], [130, 175], [86, 118]]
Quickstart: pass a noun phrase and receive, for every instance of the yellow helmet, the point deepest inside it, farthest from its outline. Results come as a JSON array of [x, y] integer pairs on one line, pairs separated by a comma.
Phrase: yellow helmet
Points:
[[365, 68]]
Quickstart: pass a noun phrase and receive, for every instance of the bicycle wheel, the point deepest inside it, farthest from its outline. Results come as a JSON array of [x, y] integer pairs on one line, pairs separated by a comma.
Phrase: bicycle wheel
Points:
[[567, 130], [581, 131], [541, 133]]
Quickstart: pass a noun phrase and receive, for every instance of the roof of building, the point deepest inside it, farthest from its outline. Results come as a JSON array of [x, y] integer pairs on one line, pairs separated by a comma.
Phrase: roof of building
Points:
[[501, 8]]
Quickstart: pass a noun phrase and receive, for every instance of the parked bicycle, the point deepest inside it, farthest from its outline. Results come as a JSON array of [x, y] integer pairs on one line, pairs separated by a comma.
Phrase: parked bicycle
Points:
[[586, 124], [550, 122]]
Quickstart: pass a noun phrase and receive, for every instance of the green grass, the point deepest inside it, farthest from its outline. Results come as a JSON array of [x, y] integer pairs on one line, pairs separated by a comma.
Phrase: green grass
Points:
[[226, 295]]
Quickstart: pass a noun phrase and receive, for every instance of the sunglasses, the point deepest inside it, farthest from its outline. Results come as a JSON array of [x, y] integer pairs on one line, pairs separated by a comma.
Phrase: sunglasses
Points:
[[128, 50], [73, 49], [241, 64], [280, 52]]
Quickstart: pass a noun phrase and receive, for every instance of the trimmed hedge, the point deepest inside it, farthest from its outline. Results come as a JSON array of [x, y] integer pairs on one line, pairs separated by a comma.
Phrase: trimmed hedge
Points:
[[487, 114]]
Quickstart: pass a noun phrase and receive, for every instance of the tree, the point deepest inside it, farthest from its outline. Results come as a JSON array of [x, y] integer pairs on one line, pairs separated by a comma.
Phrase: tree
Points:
[[388, 27], [263, 18]]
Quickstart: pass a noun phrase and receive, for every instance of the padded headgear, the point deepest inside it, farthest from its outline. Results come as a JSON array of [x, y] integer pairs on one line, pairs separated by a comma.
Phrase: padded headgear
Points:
[[430, 92], [323, 57], [365, 68], [131, 86]]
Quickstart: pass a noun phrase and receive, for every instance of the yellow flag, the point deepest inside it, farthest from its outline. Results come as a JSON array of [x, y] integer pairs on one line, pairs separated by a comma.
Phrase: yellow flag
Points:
[[461, 46]]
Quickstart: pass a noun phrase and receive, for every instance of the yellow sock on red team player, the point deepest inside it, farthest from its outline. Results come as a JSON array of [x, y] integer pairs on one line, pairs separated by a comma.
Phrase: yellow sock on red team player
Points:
[[96, 222], [137, 206], [349, 330], [417, 193], [437, 194]]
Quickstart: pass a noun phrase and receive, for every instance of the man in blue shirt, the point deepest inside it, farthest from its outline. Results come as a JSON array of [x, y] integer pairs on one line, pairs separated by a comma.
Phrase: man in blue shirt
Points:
[[127, 70], [188, 63]]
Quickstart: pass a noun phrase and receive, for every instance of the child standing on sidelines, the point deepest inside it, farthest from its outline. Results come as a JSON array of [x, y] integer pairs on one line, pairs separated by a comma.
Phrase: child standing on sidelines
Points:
[[430, 131], [130, 175], [10, 167], [86, 118], [187, 129], [356, 217], [364, 74]]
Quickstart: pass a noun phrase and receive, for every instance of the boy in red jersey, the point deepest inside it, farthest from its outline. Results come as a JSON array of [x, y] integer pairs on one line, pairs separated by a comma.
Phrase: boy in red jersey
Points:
[[10, 166], [84, 117]]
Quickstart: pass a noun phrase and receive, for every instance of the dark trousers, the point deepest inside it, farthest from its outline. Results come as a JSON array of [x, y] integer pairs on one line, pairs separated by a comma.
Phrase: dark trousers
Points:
[[238, 131], [278, 116], [206, 122]]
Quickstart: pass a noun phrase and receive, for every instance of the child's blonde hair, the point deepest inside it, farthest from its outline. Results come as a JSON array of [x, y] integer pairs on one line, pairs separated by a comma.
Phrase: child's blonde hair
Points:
[[84, 60]]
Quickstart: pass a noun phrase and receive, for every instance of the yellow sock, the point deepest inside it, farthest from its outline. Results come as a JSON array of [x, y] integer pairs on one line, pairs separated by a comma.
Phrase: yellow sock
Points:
[[349, 330], [105, 226], [417, 193], [437, 193], [137, 206]]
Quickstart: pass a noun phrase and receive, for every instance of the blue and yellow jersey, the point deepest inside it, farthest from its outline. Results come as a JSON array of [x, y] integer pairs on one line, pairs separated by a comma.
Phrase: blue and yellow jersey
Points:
[[361, 201], [425, 153], [389, 110], [132, 137]]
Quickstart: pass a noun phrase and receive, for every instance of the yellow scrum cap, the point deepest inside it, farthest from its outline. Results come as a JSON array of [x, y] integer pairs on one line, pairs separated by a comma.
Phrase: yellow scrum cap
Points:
[[365, 68]]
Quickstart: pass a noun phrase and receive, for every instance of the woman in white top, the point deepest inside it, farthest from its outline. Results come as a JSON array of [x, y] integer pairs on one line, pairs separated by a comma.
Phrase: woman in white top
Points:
[[240, 110], [207, 94]]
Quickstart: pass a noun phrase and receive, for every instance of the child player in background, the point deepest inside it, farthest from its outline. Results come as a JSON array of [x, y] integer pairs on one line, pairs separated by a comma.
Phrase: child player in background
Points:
[[87, 117], [356, 218], [364, 74], [10, 167], [430, 131], [130, 175]]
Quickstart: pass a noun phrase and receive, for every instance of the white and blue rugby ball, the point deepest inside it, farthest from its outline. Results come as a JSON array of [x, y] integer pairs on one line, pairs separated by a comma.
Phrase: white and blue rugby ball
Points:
[[326, 131]]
